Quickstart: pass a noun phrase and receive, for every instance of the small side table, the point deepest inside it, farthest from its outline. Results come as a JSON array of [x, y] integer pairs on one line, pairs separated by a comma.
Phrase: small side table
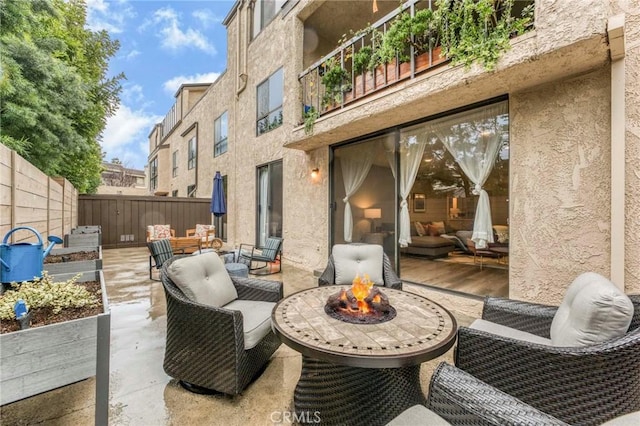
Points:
[[237, 269]]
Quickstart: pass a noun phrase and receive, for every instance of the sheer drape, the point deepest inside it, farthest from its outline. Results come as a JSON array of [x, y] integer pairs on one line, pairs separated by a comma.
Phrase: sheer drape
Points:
[[411, 150], [474, 139], [389, 146], [355, 163]]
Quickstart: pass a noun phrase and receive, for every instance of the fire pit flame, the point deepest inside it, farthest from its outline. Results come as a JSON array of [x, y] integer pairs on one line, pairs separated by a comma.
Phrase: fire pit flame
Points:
[[362, 303]]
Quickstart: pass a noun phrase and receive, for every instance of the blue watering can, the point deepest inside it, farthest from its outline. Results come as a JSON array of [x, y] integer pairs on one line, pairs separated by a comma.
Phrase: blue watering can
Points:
[[23, 261]]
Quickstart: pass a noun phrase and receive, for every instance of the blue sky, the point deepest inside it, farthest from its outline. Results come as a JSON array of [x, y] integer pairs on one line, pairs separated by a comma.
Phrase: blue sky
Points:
[[163, 44]]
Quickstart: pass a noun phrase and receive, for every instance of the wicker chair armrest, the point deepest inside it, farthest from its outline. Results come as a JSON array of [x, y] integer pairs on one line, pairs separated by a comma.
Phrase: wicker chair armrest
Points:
[[462, 399], [390, 277], [525, 316], [549, 377], [257, 289], [328, 277]]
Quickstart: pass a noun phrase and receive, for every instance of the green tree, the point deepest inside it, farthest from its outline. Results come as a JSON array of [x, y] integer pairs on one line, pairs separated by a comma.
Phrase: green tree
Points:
[[54, 90]]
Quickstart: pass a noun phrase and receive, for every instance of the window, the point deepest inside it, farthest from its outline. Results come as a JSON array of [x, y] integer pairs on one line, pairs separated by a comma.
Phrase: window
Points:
[[174, 193], [270, 94], [263, 12], [220, 133], [153, 174], [269, 204], [191, 163], [175, 163], [221, 221], [191, 191]]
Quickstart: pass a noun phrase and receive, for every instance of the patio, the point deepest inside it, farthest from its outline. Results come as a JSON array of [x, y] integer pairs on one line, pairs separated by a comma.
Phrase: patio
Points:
[[140, 391]]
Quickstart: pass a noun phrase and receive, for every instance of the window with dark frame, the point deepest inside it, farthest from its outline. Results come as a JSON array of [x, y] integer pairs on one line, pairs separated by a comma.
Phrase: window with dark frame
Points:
[[220, 134], [191, 162], [174, 171], [263, 13], [153, 174], [174, 193], [191, 191], [269, 103]]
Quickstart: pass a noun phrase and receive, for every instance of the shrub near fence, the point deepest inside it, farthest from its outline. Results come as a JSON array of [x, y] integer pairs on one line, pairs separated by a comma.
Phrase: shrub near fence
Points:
[[29, 197]]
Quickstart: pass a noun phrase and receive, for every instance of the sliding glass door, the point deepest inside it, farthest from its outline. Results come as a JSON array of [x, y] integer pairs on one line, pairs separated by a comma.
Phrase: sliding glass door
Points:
[[269, 217]]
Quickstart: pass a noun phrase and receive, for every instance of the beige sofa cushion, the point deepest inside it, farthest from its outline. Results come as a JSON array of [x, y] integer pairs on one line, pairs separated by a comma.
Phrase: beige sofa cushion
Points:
[[203, 279], [256, 319], [358, 259], [593, 310]]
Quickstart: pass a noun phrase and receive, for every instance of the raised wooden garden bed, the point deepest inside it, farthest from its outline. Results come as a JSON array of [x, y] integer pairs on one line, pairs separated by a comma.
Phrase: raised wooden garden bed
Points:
[[73, 260]]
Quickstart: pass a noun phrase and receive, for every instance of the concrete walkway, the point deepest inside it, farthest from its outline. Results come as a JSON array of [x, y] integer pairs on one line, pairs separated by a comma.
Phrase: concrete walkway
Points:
[[142, 394]]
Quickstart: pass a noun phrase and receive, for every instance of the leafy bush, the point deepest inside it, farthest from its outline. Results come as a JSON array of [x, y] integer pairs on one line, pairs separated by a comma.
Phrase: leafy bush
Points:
[[43, 293]]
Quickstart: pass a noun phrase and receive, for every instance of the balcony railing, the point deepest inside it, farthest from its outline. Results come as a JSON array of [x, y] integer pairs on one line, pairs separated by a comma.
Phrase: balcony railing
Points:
[[340, 78]]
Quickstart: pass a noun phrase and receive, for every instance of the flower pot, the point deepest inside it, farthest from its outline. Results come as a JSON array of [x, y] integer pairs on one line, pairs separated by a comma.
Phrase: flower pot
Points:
[[40, 359], [73, 266]]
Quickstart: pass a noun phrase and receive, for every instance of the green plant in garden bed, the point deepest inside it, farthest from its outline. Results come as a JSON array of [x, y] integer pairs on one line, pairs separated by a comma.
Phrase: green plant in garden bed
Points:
[[336, 81], [44, 293], [419, 31]]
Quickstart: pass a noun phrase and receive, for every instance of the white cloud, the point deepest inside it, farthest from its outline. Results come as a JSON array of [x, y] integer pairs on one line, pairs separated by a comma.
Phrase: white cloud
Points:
[[171, 86], [173, 36], [206, 17], [132, 93], [101, 16], [132, 54], [126, 136]]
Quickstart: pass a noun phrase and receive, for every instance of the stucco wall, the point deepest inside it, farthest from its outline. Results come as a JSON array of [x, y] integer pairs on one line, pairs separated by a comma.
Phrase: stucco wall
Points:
[[560, 185]]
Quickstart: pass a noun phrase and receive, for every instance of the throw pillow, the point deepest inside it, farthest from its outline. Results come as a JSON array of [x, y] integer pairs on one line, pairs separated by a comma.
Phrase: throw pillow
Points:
[[593, 311], [201, 230], [203, 279], [162, 231], [357, 259], [433, 231], [420, 229], [439, 226], [502, 233]]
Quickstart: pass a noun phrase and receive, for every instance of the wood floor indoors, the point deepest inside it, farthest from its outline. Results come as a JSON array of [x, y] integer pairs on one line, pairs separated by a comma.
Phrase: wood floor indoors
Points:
[[457, 273]]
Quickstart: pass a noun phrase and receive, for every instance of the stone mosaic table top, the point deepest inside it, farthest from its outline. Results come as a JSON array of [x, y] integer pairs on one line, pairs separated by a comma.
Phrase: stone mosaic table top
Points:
[[421, 330]]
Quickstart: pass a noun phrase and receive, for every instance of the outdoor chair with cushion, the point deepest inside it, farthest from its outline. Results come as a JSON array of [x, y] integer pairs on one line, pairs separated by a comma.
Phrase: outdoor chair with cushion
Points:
[[207, 234], [158, 232], [160, 251], [579, 362], [219, 335], [348, 260], [269, 255]]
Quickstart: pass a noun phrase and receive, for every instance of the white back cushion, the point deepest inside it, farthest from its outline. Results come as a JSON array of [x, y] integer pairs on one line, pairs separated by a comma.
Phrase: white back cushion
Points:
[[203, 279], [593, 310], [355, 259]]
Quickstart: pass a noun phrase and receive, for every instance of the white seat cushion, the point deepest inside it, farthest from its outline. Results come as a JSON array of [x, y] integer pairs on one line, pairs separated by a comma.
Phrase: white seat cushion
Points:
[[629, 419], [203, 279], [593, 311], [256, 319], [418, 415], [503, 330], [354, 259]]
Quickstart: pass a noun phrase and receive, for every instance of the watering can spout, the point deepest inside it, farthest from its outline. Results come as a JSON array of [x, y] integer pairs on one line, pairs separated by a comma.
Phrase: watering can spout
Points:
[[53, 240]]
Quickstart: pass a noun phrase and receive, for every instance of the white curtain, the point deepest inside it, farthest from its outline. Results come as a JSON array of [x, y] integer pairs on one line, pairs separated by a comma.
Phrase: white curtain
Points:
[[355, 163], [474, 139], [389, 146], [411, 150]]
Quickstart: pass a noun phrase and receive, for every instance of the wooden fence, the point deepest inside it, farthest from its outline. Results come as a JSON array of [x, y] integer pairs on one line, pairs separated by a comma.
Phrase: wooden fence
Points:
[[28, 197], [124, 218]]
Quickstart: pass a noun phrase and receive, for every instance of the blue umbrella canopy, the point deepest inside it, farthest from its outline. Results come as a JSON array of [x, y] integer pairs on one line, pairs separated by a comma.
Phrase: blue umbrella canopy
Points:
[[218, 202]]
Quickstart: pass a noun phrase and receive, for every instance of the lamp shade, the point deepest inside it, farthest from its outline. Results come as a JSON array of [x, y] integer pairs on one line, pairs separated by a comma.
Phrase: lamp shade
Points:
[[372, 213]]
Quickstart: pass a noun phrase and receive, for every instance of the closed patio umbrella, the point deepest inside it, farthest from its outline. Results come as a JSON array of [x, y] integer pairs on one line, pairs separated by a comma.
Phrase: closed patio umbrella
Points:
[[218, 202]]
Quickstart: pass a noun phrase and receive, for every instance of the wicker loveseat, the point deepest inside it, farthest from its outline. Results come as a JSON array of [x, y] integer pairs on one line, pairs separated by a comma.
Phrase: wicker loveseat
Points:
[[206, 346], [583, 385]]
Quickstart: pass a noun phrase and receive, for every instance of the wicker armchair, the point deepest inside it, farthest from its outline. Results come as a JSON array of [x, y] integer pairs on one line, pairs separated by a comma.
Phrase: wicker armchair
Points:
[[389, 276], [579, 385], [205, 347]]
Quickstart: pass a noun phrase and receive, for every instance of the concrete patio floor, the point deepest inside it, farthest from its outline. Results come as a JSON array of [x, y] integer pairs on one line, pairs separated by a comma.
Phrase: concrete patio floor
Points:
[[142, 394]]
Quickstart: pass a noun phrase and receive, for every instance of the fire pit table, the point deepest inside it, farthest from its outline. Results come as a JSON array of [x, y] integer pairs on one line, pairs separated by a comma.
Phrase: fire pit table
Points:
[[359, 373]]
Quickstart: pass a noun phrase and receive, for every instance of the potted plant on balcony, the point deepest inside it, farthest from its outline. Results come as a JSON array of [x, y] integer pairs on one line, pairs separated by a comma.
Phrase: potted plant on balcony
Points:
[[336, 81], [479, 30]]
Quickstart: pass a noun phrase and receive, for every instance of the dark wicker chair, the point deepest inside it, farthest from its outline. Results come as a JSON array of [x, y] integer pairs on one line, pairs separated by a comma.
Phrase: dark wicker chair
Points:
[[389, 276], [578, 385], [462, 399], [205, 345]]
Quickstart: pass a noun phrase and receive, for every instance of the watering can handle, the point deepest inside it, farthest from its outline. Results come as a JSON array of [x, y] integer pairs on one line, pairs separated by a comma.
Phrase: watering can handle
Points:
[[6, 237]]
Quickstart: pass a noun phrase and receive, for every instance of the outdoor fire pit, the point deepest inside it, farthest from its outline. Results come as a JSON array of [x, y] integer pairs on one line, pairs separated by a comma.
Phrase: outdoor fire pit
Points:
[[363, 303]]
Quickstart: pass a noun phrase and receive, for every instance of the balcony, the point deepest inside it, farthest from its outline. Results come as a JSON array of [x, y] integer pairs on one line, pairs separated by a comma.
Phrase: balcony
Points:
[[352, 72]]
